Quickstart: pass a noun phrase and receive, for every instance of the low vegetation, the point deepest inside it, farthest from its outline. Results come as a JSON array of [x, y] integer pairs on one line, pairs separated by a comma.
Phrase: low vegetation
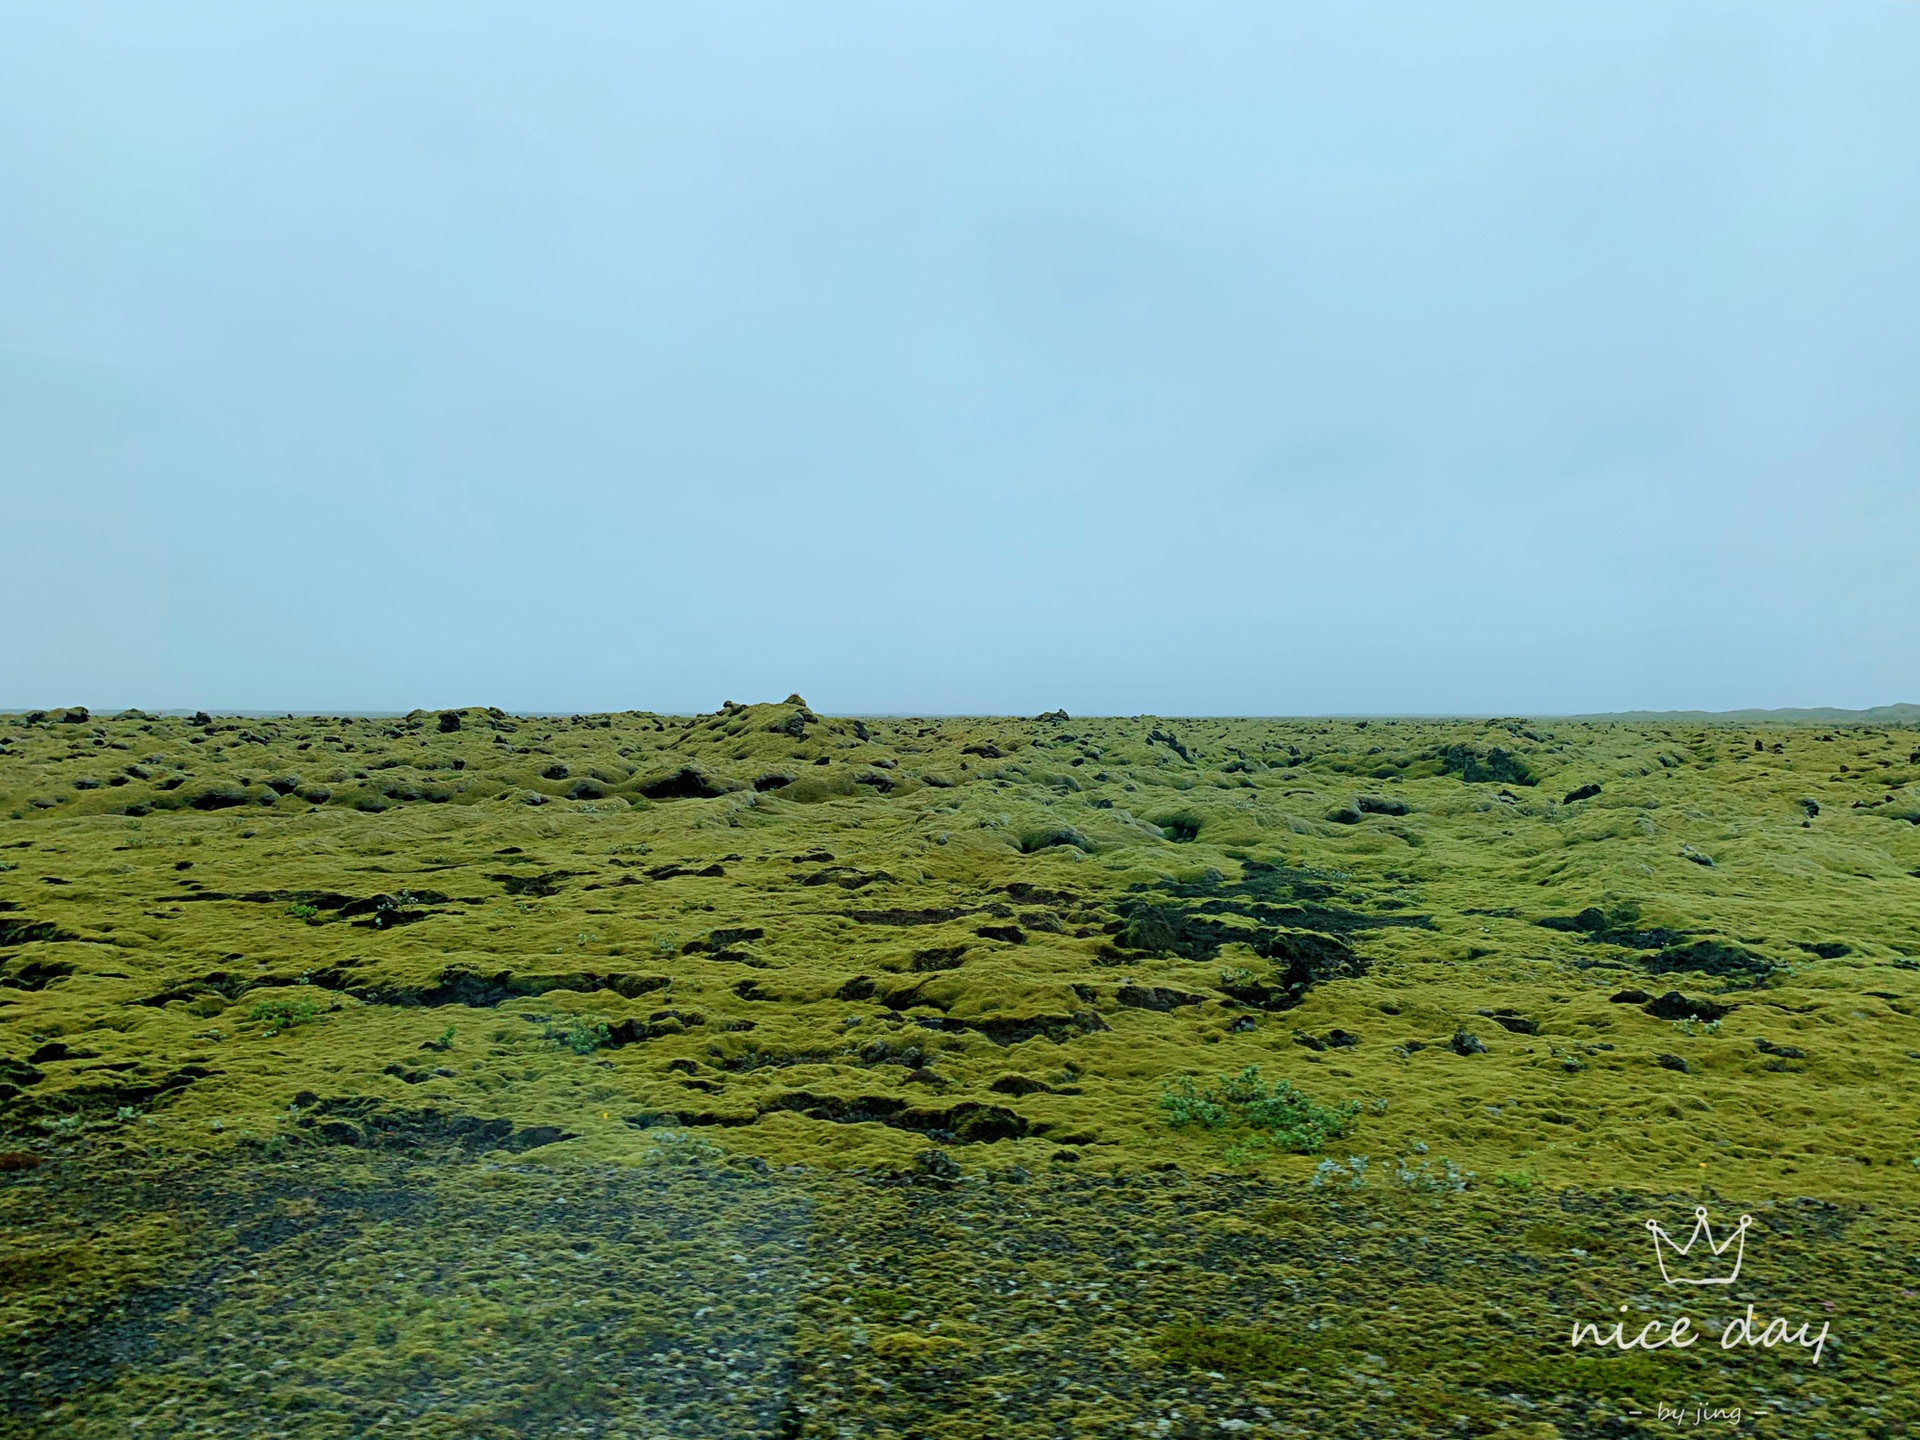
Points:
[[949, 1077]]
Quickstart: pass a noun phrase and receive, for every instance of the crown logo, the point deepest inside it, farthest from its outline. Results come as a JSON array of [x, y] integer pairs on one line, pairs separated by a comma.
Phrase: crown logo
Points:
[[1671, 1253]]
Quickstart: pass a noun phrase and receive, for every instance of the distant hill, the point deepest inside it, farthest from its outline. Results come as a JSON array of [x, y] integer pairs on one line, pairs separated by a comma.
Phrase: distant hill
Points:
[[1822, 715]]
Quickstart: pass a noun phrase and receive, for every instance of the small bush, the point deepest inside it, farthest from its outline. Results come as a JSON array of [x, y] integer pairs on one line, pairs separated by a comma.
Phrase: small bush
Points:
[[582, 1037], [281, 1015], [1332, 1172], [1423, 1178], [1275, 1114]]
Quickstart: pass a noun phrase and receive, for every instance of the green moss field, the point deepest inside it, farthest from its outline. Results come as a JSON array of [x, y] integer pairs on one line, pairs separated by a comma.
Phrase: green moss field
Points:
[[773, 1074]]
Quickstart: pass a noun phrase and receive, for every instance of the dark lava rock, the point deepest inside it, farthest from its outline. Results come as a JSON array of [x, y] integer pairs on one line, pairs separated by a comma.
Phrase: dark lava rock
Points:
[[1181, 829], [1035, 841], [217, 797], [903, 917], [1710, 957], [29, 932], [1513, 1021], [384, 912], [1673, 1062], [362, 1121], [946, 957], [449, 721], [1171, 741], [1616, 928], [936, 1167], [19, 1072], [1332, 1040], [1825, 949], [1345, 815], [796, 723], [1497, 765], [685, 783], [1675, 1006], [1379, 805], [34, 974], [1585, 792], [1012, 934], [1155, 997], [1465, 1042], [724, 939], [1784, 1052], [1018, 1085], [1630, 997]]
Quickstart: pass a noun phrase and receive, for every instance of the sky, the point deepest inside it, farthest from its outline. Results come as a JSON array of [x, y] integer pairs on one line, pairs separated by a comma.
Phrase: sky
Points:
[[1242, 358]]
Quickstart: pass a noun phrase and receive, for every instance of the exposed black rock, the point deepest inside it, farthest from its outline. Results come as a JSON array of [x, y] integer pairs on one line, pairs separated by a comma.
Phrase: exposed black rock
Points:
[[685, 783], [1155, 997], [1495, 766], [1710, 957], [1825, 949], [1465, 1042], [1675, 1006], [1381, 805], [1512, 1021]]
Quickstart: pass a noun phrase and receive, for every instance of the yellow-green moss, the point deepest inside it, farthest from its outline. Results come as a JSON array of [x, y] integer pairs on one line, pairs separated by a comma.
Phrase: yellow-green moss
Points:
[[1000, 940]]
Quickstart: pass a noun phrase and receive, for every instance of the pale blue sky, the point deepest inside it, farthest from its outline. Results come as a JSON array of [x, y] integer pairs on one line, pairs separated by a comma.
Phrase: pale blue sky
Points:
[[1221, 358]]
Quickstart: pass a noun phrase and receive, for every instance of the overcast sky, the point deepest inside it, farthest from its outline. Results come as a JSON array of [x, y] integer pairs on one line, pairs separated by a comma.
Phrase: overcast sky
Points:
[[1229, 358]]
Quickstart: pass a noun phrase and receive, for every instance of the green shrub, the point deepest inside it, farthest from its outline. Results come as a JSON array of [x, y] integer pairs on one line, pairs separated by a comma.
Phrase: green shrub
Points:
[[1275, 1114], [1420, 1176], [281, 1015], [582, 1037]]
